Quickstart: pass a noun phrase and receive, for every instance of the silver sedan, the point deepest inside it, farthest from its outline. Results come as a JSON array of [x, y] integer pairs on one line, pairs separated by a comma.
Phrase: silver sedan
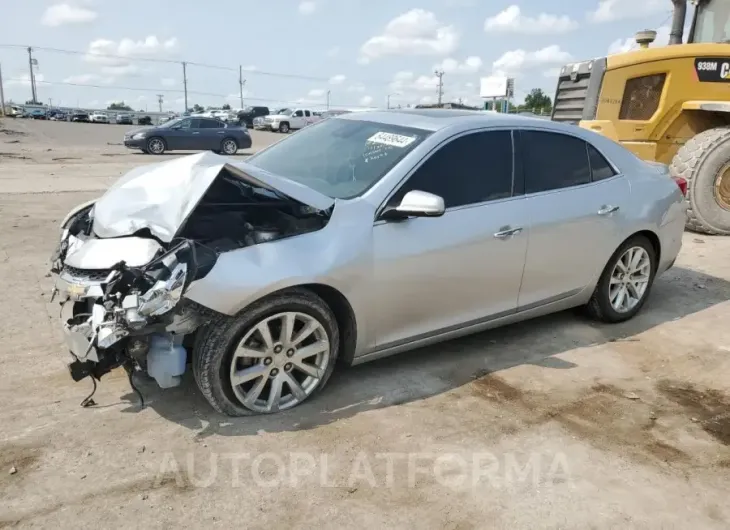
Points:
[[359, 237]]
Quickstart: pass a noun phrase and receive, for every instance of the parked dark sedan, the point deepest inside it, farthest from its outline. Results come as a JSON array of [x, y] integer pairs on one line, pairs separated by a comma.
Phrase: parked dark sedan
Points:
[[189, 134], [80, 116]]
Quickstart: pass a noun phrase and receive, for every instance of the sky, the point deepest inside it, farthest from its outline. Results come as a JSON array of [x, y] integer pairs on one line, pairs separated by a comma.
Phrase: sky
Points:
[[360, 53]]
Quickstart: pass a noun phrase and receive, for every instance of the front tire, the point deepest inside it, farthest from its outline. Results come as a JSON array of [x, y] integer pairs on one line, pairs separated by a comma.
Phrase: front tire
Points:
[[272, 356], [284, 127], [704, 162], [156, 145], [625, 283]]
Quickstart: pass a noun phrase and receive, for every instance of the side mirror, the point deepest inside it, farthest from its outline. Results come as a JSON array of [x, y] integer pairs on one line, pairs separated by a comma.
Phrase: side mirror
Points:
[[416, 203]]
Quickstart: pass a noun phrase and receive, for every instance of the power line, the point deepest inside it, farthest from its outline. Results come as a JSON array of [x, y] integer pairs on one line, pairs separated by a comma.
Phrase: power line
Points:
[[173, 61], [177, 91]]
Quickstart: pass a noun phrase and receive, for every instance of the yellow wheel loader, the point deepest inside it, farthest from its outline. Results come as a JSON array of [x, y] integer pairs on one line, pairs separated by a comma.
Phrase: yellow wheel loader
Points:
[[667, 104]]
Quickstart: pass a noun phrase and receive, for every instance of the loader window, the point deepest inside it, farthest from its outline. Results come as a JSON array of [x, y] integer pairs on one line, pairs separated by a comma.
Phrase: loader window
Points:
[[712, 22]]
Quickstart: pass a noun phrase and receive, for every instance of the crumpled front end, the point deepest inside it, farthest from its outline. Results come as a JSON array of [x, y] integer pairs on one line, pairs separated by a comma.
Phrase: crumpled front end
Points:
[[124, 262], [126, 312]]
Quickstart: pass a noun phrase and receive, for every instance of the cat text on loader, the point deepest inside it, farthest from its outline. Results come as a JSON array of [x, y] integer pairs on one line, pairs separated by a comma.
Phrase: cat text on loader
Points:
[[667, 104]]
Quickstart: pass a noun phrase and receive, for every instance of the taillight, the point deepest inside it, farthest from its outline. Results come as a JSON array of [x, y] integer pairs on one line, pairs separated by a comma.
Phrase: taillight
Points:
[[682, 183]]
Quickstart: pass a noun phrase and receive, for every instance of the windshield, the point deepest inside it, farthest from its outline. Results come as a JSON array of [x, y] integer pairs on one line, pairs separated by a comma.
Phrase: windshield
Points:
[[286, 112], [340, 158], [171, 123], [712, 21]]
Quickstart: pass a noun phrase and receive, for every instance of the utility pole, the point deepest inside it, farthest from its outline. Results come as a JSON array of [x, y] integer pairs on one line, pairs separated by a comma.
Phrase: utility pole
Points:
[[241, 83], [2, 93], [185, 87], [328, 100], [440, 75], [31, 62], [159, 101]]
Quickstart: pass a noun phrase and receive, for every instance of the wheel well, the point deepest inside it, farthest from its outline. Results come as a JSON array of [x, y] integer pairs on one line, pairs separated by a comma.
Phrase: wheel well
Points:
[[344, 315], [653, 239], [229, 138]]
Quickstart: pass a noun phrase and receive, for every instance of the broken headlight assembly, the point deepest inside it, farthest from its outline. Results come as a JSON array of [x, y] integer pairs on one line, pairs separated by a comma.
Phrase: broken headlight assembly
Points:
[[164, 295]]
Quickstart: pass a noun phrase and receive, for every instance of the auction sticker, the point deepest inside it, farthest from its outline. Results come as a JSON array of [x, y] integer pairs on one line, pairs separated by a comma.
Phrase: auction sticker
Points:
[[394, 140]]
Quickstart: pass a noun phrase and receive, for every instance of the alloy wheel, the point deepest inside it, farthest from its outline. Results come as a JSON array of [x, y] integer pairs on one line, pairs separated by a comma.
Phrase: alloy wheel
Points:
[[229, 147], [156, 146], [279, 362], [629, 279]]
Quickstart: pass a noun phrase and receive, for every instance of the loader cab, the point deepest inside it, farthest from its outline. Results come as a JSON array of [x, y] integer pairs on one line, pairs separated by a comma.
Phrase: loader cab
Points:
[[711, 22]]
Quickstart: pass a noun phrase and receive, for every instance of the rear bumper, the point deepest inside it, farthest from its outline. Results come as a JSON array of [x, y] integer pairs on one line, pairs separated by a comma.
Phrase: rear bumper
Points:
[[245, 142]]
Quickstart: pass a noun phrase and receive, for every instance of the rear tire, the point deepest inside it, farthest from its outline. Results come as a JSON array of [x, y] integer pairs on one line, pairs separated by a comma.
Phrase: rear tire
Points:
[[229, 146], [221, 344], [607, 303], [704, 162]]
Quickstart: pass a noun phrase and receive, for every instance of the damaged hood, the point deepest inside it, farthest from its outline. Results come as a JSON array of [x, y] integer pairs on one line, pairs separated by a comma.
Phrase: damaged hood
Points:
[[160, 197]]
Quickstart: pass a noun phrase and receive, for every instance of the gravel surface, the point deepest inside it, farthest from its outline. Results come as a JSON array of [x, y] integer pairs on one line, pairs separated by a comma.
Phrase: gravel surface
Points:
[[554, 423]]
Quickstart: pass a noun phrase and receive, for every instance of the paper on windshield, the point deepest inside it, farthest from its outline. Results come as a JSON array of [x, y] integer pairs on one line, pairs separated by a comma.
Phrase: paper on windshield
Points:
[[391, 139]]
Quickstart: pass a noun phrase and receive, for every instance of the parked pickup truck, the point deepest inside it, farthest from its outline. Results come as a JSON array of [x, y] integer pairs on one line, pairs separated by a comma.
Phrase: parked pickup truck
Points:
[[286, 120]]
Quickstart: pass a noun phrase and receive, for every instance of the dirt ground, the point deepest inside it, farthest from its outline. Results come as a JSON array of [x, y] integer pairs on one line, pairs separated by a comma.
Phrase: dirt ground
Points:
[[554, 423]]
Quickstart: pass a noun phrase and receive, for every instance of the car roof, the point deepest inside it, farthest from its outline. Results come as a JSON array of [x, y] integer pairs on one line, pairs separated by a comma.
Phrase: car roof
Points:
[[436, 119]]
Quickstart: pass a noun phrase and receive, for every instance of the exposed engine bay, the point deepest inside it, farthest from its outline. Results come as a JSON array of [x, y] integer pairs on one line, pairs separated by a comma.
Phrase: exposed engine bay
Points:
[[122, 298]]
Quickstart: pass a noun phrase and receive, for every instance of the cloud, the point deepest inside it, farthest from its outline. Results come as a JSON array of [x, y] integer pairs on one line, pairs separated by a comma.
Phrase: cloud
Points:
[[611, 10], [417, 32], [333, 52], [629, 44], [470, 65], [120, 53], [168, 81], [122, 70], [337, 79], [317, 93], [307, 7], [408, 82], [24, 79], [514, 62], [511, 20], [366, 101], [61, 14], [86, 79]]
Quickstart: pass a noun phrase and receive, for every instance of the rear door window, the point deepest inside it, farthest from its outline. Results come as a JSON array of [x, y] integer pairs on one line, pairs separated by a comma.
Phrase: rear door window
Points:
[[554, 161], [600, 168]]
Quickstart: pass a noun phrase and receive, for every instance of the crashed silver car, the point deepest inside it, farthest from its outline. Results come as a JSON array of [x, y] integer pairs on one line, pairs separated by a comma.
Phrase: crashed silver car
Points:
[[362, 236]]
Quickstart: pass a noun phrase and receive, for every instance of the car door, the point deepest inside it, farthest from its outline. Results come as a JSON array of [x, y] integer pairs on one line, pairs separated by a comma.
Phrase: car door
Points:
[[178, 137], [211, 132], [435, 274], [308, 119], [297, 119], [576, 201]]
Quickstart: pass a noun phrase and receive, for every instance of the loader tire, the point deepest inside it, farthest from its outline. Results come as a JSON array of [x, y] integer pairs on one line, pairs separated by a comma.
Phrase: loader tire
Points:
[[704, 162]]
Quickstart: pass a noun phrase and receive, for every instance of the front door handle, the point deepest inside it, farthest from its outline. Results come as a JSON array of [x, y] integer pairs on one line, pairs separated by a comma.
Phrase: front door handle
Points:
[[605, 210], [507, 232], [196, 132]]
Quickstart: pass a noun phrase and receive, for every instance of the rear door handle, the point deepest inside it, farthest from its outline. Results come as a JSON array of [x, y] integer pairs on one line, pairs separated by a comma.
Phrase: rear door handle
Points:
[[195, 132], [507, 232], [605, 210]]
